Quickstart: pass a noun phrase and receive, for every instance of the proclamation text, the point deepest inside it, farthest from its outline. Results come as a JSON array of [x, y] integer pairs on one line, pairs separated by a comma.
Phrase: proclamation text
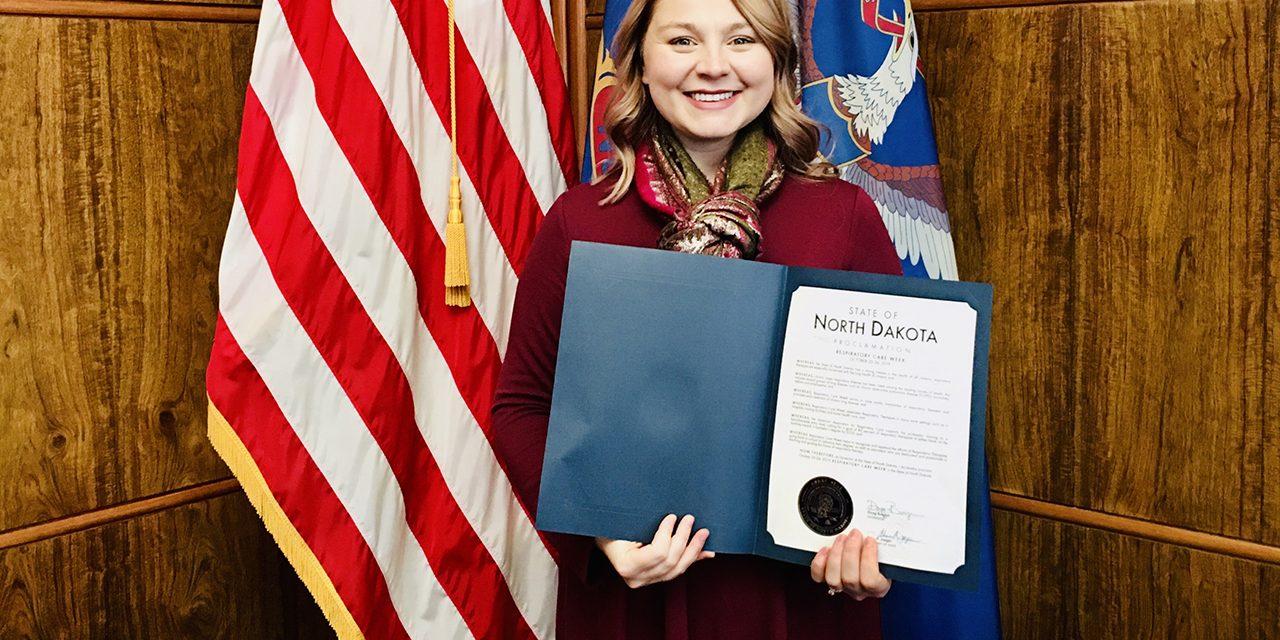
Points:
[[872, 426]]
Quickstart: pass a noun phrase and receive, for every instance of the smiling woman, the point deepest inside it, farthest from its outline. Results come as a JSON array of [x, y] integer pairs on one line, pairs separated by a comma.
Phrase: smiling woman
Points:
[[705, 71], [713, 157], [708, 75]]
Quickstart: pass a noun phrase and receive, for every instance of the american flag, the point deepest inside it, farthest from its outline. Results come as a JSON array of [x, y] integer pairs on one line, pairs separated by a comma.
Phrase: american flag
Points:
[[350, 402]]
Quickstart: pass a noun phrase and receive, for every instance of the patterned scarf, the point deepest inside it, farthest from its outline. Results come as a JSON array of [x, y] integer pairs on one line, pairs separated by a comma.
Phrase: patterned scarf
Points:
[[720, 217]]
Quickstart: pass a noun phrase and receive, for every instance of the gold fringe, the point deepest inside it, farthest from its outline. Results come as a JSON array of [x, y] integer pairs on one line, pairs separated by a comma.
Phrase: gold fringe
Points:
[[233, 452], [457, 280]]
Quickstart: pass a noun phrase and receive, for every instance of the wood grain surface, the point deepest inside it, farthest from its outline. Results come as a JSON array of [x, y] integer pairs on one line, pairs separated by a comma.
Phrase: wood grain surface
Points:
[[133, 10], [122, 511], [1065, 582], [1270, 410], [1107, 169], [206, 570], [117, 172], [1009, 189], [1173, 236], [98, 7]]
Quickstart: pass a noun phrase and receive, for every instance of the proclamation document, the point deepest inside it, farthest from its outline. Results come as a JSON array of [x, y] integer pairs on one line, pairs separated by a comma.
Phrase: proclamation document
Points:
[[872, 425]]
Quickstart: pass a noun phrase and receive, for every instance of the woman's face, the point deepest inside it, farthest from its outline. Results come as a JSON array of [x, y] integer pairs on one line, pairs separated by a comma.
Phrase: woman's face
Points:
[[708, 73]]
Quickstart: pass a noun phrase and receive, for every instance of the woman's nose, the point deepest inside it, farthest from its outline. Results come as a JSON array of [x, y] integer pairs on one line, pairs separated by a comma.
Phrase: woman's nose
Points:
[[711, 62]]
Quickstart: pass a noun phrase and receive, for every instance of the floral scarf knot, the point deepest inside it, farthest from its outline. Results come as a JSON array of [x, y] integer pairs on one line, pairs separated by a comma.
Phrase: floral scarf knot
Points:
[[720, 217]]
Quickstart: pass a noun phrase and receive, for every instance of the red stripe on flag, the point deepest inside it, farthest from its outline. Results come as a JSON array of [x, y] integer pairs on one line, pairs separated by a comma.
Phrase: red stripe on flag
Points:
[[369, 373], [360, 124], [299, 487], [531, 28], [483, 147]]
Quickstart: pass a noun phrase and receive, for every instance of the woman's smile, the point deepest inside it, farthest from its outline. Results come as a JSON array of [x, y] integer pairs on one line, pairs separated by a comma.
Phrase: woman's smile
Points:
[[712, 100]]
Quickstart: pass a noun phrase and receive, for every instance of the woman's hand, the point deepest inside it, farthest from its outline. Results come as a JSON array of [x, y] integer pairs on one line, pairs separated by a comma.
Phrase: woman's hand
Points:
[[670, 553], [852, 565]]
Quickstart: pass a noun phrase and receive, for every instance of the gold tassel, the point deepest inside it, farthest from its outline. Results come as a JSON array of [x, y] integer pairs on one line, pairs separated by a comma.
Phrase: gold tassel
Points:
[[457, 280]]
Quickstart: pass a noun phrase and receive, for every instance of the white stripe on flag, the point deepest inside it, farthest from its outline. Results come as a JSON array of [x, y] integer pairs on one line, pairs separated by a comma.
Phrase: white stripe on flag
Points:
[[332, 432], [493, 44], [378, 273], [379, 42]]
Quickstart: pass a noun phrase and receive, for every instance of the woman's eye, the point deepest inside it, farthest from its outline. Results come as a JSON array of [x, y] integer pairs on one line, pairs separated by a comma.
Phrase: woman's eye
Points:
[[742, 40], [682, 41]]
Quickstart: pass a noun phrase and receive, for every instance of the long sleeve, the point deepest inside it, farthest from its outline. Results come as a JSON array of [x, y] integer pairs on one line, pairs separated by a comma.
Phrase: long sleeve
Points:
[[874, 250], [522, 402]]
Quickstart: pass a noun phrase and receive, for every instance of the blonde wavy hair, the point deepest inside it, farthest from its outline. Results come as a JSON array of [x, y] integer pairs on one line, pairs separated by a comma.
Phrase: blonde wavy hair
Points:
[[632, 118]]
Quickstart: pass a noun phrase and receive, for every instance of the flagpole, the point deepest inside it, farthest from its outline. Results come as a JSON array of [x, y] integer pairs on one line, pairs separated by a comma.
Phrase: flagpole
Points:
[[457, 280]]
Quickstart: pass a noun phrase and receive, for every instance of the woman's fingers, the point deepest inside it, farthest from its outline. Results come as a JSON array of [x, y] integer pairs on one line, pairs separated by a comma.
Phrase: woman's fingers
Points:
[[672, 550], [834, 558], [873, 582], [662, 536], [850, 564], [692, 553], [655, 552], [818, 568], [679, 542]]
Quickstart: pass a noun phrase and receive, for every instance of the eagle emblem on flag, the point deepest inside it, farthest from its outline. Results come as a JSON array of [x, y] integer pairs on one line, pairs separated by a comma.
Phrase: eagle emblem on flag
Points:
[[861, 80]]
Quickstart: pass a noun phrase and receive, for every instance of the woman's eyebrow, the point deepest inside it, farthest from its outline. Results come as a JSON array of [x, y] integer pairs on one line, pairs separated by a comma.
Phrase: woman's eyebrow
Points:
[[689, 26]]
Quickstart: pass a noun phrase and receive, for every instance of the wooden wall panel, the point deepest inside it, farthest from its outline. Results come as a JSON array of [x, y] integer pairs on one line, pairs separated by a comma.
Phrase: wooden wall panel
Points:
[[116, 170], [1271, 298], [1001, 131], [1171, 250], [1064, 581], [206, 570], [1106, 167]]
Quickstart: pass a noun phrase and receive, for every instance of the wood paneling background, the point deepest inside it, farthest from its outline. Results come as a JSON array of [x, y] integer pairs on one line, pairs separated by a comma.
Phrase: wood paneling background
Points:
[[117, 188], [1110, 167], [204, 570], [117, 166]]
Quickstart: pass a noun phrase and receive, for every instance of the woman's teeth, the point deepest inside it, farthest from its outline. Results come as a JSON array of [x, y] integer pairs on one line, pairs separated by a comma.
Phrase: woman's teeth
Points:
[[712, 97]]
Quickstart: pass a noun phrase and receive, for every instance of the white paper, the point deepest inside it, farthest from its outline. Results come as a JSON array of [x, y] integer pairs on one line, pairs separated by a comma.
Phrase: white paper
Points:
[[874, 393]]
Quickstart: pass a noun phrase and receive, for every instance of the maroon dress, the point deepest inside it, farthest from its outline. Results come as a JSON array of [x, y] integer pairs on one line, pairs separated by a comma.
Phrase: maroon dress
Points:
[[829, 224]]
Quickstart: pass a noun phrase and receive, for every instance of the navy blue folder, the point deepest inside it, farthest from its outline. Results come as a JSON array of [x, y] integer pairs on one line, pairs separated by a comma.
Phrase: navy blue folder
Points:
[[664, 396]]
